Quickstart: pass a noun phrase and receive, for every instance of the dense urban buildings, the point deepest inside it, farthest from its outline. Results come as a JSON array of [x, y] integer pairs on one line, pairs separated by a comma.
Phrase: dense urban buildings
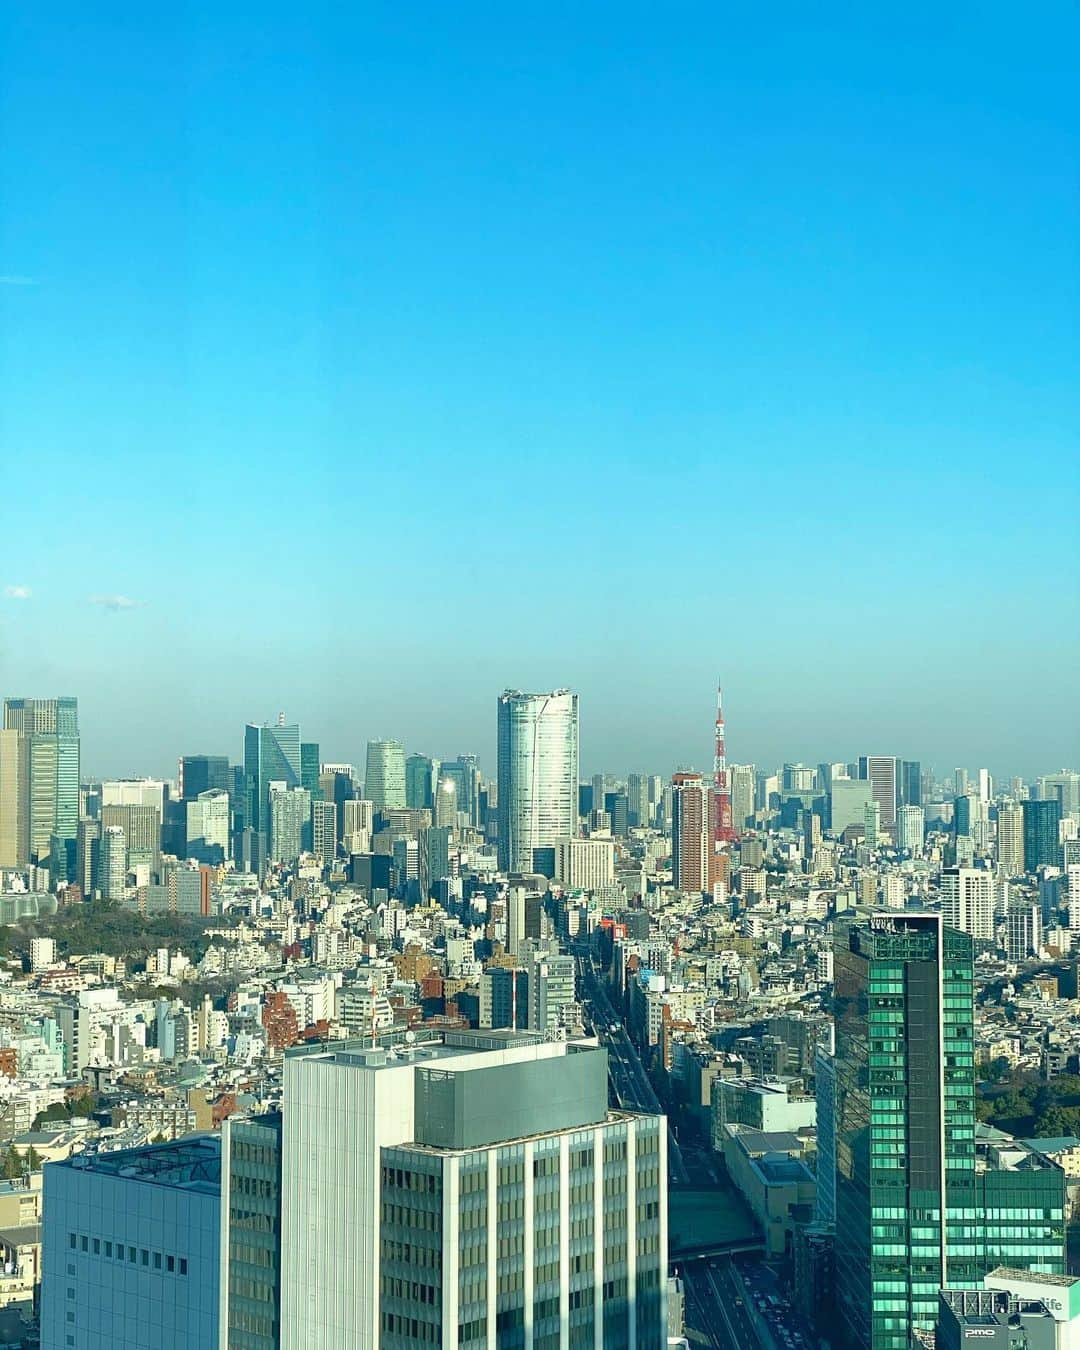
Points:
[[436, 1018]]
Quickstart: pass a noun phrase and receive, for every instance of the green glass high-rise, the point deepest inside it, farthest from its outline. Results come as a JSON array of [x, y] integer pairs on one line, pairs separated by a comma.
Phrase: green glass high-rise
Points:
[[1042, 846], [49, 729], [917, 1208]]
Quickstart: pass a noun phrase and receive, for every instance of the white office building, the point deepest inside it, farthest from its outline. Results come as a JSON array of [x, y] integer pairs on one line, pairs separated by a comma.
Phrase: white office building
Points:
[[471, 1192], [967, 900], [585, 864]]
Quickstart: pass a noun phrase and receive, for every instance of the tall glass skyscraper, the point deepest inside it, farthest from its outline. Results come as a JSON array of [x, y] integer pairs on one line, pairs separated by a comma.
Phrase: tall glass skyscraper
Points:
[[1041, 843], [537, 774], [916, 1209], [271, 755], [384, 775], [49, 731]]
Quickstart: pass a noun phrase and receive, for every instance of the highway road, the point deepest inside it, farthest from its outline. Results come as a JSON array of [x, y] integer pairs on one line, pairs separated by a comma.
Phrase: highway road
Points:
[[630, 1083], [716, 1310]]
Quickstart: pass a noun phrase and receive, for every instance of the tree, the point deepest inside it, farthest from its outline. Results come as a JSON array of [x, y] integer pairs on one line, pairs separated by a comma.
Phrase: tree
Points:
[[13, 1166], [34, 1160]]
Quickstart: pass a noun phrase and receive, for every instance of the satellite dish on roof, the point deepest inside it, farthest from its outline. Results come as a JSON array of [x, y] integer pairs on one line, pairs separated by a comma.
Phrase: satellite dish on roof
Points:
[[410, 1036]]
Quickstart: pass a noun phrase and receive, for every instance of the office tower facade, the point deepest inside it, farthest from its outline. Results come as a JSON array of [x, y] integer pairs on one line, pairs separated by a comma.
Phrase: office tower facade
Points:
[[384, 776], [471, 1193], [504, 999], [742, 794], [967, 901], [131, 1241], [616, 808], [1010, 839], [204, 773], [910, 830], [848, 798], [691, 844], [290, 822], [918, 1208], [271, 755], [1062, 787], [113, 865], [208, 827], [882, 772], [324, 830], [551, 991], [905, 1120], [250, 1272], [464, 773], [336, 785], [421, 775], [359, 822], [911, 793], [50, 788], [310, 769], [14, 798], [537, 774], [1023, 930], [88, 856], [637, 800], [1042, 846], [445, 810], [872, 824], [585, 864], [141, 825]]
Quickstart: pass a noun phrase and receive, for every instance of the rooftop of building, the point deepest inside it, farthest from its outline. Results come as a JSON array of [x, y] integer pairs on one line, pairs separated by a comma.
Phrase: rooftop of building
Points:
[[448, 1045], [765, 1141], [1033, 1277], [612, 1117], [780, 1170], [192, 1163]]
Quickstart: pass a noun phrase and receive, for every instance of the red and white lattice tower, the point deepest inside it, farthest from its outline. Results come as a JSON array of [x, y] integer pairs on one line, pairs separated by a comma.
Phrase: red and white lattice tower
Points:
[[723, 830]]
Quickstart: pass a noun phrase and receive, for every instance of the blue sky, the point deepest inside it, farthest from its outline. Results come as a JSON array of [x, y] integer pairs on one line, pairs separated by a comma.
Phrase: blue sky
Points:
[[386, 356]]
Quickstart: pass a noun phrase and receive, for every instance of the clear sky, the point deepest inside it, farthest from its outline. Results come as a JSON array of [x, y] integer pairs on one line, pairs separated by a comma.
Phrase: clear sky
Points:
[[362, 360]]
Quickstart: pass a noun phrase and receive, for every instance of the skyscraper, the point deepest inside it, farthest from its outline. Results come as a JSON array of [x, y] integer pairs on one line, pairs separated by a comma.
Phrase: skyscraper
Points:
[[916, 1211], [14, 798], [384, 776], [882, 772], [967, 900], [911, 783], [50, 783], [637, 800], [742, 794], [537, 774], [691, 843], [421, 775], [1042, 846], [1010, 839], [464, 773], [466, 1193], [910, 829], [203, 773], [113, 866], [290, 822], [310, 769], [271, 755]]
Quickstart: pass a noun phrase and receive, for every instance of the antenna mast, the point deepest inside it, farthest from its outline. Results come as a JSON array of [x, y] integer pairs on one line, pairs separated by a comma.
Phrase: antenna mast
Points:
[[723, 830]]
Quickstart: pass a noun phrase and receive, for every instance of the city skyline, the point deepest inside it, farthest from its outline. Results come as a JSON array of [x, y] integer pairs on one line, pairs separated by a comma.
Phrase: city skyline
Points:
[[762, 329], [100, 762]]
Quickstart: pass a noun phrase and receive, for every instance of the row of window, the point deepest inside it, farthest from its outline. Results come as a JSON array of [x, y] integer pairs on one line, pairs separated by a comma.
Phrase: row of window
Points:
[[410, 1289], [135, 1256]]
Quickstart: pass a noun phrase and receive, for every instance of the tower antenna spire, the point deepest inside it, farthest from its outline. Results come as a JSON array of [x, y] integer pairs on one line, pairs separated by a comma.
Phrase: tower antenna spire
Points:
[[723, 829]]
